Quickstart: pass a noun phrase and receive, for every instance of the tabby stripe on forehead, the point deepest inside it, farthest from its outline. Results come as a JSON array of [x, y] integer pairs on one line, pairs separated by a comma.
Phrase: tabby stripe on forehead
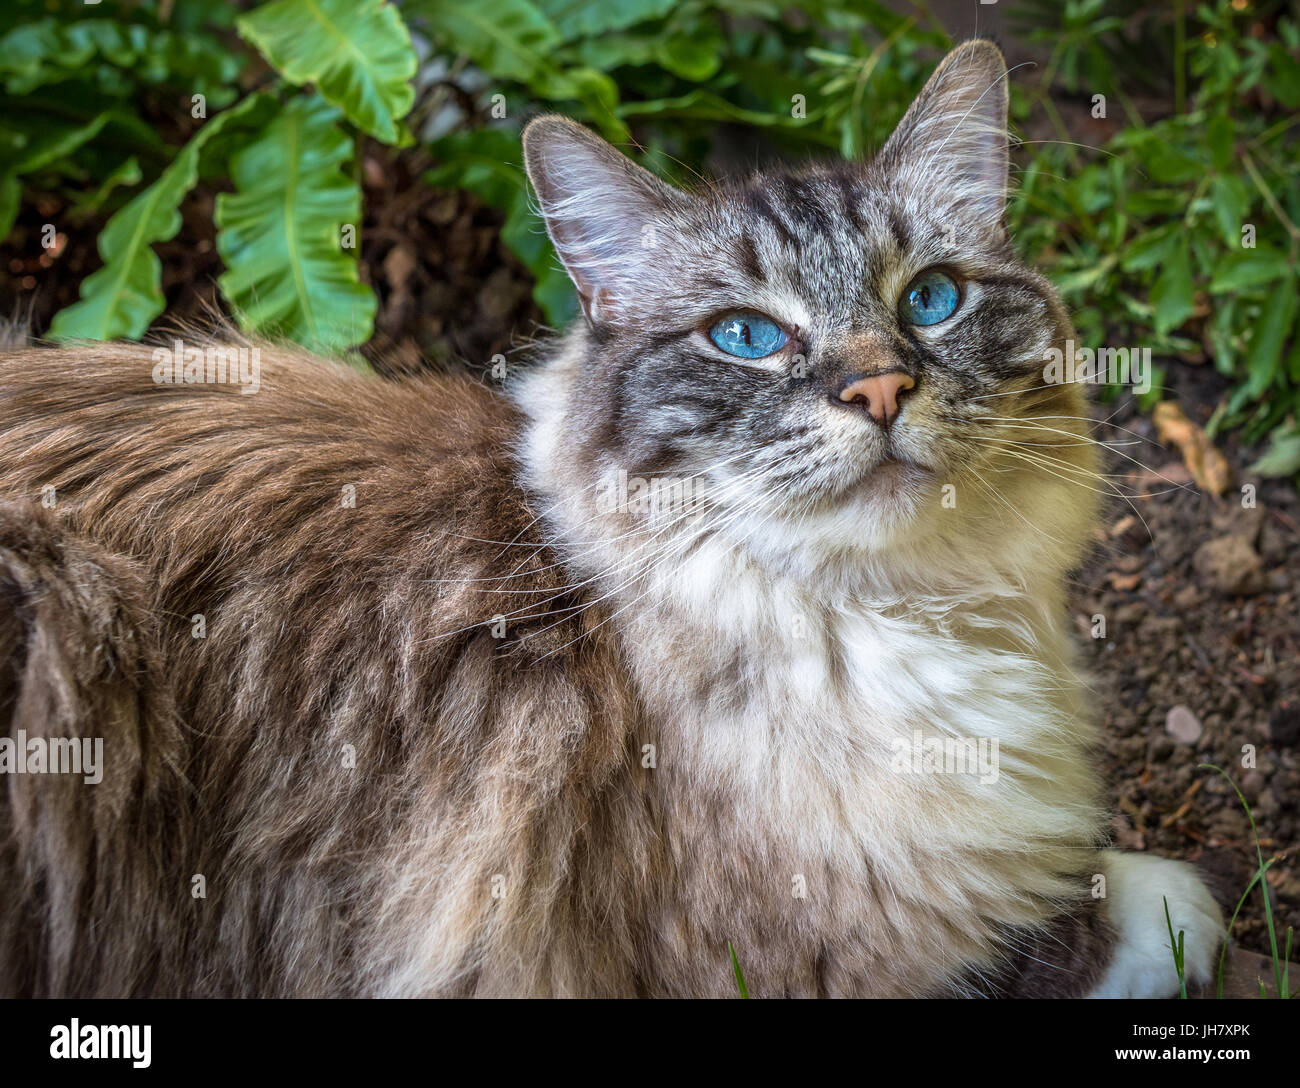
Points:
[[804, 204], [849, 197], [756, 202], [749, 260], [898, 226]]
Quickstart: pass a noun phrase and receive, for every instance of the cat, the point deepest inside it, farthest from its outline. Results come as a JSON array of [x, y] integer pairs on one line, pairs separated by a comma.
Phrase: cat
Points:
[[420, 688]]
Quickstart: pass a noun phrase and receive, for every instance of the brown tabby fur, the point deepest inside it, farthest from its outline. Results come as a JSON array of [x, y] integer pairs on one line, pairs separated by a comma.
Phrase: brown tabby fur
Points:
[[225, 755]]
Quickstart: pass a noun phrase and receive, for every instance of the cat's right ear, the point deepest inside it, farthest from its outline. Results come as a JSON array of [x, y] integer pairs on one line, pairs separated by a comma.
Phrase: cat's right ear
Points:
[[605, 214]]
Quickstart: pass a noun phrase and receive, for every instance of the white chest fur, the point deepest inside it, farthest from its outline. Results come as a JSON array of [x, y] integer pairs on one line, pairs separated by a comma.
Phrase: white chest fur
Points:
[[865, 734]]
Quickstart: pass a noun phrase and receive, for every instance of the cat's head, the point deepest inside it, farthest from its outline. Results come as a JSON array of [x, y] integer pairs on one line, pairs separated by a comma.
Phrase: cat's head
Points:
[[847, 354]]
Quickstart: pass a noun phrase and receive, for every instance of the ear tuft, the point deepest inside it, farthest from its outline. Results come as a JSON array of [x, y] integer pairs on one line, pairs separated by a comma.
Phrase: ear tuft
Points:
[[953, 139], [603, 212]]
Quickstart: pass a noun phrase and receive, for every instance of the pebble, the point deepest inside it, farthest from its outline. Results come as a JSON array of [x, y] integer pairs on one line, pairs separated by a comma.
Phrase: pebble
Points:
[[1183, 725], [1230, 564]]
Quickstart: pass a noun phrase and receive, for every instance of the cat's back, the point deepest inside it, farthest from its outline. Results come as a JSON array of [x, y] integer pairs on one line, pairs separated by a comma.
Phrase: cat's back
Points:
[[118, 418], [319, 504], [301, 460]]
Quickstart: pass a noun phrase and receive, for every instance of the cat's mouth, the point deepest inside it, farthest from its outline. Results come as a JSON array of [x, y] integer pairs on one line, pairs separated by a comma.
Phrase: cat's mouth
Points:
[[894, 476]]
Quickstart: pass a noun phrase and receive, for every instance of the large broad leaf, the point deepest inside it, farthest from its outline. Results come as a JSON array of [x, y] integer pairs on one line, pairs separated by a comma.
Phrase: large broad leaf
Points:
[[487, 162], [281, 232], [123, 297], [357, 52]]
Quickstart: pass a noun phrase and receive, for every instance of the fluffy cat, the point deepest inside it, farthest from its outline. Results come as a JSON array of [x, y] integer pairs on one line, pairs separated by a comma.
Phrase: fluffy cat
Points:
[[415, 688]]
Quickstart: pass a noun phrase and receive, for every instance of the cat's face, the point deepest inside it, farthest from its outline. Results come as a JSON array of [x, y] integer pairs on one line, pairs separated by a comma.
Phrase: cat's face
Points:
[[834, 344]]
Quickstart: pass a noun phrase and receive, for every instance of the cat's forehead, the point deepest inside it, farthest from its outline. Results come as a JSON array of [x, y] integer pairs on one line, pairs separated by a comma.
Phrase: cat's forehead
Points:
[[833, 236]]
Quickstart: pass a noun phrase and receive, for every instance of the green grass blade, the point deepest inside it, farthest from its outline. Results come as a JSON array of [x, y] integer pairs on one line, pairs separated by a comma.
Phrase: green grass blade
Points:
[[740, 975]]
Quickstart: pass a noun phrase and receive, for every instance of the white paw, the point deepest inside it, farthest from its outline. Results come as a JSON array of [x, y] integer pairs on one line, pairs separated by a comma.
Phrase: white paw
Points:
[[1142, 964]]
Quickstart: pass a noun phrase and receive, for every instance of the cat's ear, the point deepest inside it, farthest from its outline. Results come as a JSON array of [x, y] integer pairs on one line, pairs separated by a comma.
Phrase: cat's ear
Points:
[[605, 214], [952, 142]]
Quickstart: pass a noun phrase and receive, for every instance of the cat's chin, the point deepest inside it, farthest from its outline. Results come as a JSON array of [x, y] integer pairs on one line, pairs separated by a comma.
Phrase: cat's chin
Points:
[[895, 483], [882, 507]]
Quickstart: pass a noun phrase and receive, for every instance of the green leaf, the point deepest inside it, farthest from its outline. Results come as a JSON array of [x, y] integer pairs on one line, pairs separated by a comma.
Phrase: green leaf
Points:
[[1171, 165], [1231, 203], [56, 140], [707, 106], [46, 51], [511, 39], [1149, 249], [696, 59], [126, 173], [280, 232], [123, 297], [1249, 268], [1265, 355], [357, 52], [1284, 77], [585, 19], [1283, 455], [1219, 133], [1172, 297]]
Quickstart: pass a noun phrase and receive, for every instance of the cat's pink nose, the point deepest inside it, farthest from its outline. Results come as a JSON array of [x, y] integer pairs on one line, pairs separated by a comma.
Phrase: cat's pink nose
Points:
[[880, 393]]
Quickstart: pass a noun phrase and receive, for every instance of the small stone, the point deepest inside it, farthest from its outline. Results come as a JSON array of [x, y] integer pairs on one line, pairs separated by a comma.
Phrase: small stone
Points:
[[1230, 564], [1188, 597], [1183, 725]]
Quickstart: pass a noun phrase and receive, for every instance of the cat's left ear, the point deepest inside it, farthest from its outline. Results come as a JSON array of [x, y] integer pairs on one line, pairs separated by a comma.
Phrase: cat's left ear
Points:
[[606, 215], [951, 145]]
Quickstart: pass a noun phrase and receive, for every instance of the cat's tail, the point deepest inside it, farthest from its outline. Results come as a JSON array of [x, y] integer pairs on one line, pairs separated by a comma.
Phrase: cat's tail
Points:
[[92, 813]]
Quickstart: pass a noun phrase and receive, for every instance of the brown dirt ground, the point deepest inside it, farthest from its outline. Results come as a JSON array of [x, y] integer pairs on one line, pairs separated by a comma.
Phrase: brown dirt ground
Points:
[[1222, 644]]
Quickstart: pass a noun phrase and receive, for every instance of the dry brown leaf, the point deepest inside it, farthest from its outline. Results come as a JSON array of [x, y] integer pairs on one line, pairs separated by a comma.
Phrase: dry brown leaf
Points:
[[1209, 468]]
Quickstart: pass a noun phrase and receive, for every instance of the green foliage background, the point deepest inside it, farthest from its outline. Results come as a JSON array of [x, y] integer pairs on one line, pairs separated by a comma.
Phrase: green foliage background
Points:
[[1144, 236]]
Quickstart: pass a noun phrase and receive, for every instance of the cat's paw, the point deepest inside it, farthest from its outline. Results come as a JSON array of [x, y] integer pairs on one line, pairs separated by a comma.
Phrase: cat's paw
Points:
[[1142, 964]]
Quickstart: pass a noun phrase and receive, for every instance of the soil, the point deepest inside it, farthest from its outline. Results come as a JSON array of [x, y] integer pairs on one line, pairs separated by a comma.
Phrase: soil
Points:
[[1199, 661]]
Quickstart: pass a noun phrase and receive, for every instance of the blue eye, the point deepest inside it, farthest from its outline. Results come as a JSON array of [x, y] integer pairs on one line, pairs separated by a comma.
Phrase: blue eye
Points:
[[748, 336], [929, 298]]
